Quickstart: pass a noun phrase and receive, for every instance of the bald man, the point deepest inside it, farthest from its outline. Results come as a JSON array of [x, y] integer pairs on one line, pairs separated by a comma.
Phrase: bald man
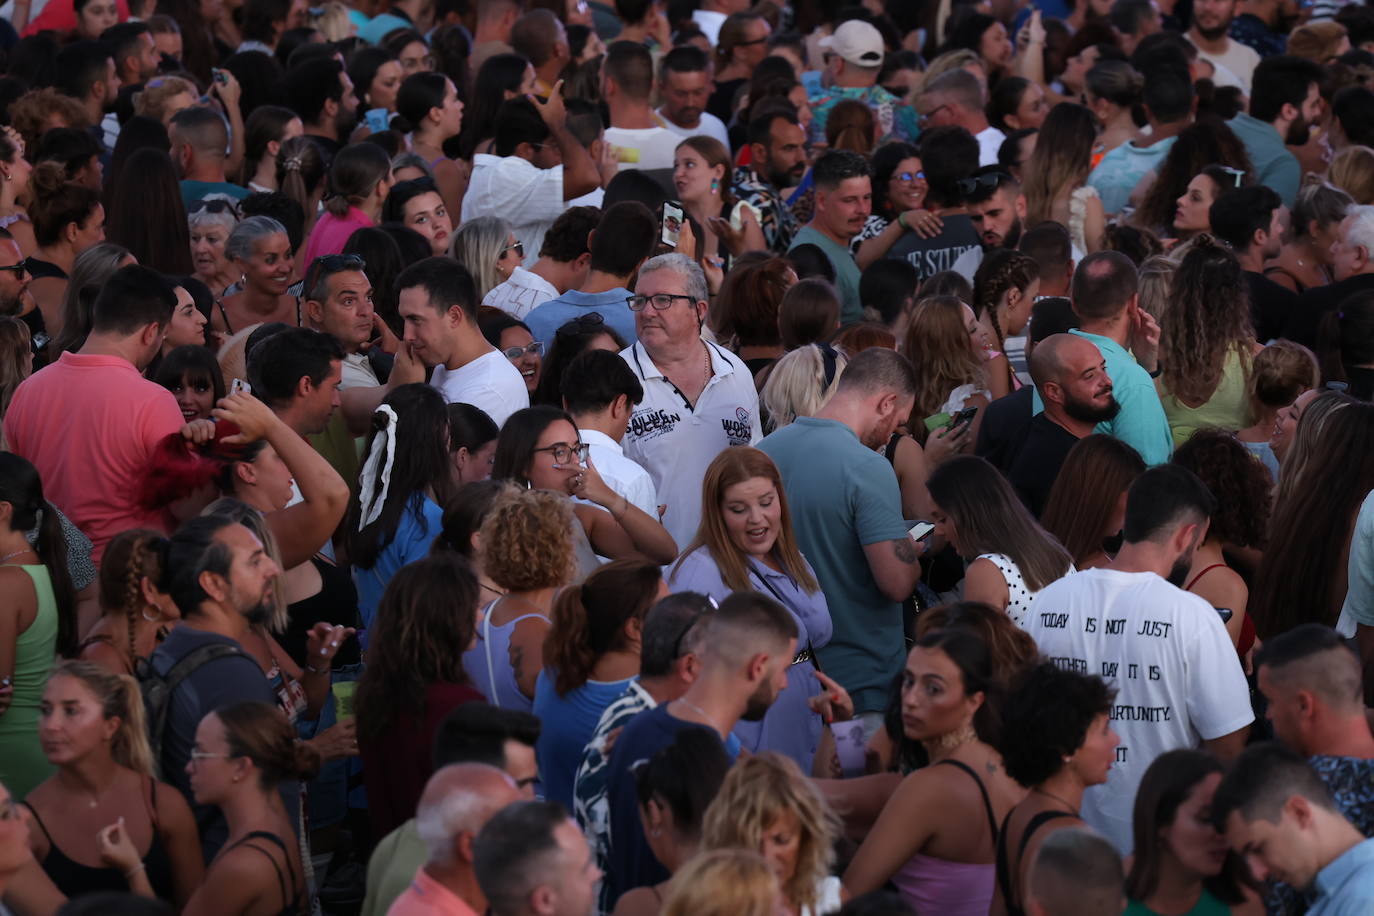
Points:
[[1071, 377], [1076, 873], [544, 41], [457, 802]]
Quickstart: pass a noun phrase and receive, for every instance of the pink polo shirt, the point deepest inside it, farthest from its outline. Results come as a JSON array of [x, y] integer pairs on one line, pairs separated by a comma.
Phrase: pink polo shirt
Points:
[[89, 424], [427, 897]]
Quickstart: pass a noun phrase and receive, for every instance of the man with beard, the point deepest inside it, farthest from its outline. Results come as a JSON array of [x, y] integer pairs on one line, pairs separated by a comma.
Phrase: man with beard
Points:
[[321, 94], [750, 642], [221, 578], [1178, 679], [1251, 220], [684, 83], [1284, 105], [86, 72], [14, 278], [996, 207], [1071, 376], [777, 147], [844, 201], [846, 513], [1233, 62]]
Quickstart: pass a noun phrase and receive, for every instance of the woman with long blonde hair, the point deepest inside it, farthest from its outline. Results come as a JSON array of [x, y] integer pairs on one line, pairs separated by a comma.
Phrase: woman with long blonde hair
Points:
[[1055, 177], [945, 345], [767, 805], [102, 821]]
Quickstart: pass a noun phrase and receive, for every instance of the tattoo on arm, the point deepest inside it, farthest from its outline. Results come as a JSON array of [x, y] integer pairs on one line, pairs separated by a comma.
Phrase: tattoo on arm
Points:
[[904, 550]]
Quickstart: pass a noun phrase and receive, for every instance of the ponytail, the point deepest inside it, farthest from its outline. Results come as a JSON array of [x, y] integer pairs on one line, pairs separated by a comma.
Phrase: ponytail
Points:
[[120, 699], [52, 550], [354, 175], [589, 619]]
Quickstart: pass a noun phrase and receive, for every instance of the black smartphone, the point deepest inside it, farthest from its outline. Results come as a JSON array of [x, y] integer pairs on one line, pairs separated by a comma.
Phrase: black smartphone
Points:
[[1226, 614], [964, 416]]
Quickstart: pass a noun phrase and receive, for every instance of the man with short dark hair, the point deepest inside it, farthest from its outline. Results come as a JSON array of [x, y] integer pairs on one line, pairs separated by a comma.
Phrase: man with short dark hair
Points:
[[956, 99], [531, 860], [846, 513], [1051, 247], [844, 201], [297, 372], [77, 150], [1278, 814], [1106, 303], [86, 72], [1071, 376], [1075, 873], [623, 239], [684, 84], [473, 733], [1133, 20], [1233, 63], [199, 139], [1250, 220], [1284, 104], [996, 208], [564, 260], [321, 94], [749, 644], [600, 392], [90, 421], [1352, 123], [777, 147], [541, 37], [1168, 102], [534, 169], [854, 58], [949, 156], [627, 83], [438, 303], [1178, 678], [136, 61]]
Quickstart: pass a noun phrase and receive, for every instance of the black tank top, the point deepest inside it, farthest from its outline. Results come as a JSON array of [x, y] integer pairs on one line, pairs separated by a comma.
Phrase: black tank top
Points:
[[290, 893], [1005, 880], [335, 602], [74, 879]]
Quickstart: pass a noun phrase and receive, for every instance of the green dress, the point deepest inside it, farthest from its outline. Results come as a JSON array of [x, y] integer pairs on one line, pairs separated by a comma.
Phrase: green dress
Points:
[[22, 762], [1227, 408], [1207, 905]]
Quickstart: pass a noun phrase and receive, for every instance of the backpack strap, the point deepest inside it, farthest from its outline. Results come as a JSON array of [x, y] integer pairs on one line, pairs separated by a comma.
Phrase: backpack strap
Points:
[[160, 700]]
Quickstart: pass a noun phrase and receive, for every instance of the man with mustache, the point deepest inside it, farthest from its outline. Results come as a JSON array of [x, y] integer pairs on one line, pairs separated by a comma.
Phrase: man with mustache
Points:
[[684, 84], [777, 147], [1071, 376], [996, 207], [844, 200], [1234, 62], [1178, 679], [1284, 104]]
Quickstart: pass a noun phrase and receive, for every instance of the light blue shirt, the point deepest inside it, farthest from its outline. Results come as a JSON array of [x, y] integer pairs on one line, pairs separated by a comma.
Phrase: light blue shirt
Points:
[[568, 724], [380, 27], [419, 525], [1274, 166], [1359, 595], [545, 320], [1141, 423], [1345, 887], [1117, 175]]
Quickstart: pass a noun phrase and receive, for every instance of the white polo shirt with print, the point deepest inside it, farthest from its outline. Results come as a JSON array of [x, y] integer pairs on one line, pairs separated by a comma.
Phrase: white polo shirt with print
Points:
[[675, 440]]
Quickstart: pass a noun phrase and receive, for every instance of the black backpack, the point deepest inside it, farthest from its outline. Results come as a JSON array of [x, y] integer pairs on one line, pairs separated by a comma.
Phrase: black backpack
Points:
[[158, 688]]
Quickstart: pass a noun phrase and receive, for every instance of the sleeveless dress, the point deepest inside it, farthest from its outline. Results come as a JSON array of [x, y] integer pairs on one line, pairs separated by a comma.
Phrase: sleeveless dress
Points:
[[933, 885], [1227, 408], [488, 663], [1019, 596], [23, 764], [74, 879]]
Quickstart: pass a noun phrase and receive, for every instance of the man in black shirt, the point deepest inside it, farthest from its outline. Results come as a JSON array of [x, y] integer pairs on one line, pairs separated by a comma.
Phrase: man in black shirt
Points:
[[1354, 272], [1249, 220], [1072, 379]]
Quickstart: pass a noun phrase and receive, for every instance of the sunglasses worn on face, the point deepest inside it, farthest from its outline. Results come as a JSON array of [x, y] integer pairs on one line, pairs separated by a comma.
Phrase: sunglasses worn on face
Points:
[[518, 248], [909, 177], [534, 349]]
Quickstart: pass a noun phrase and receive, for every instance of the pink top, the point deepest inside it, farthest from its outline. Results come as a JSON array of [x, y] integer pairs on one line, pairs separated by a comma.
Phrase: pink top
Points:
[[60, 16], [427, 897], [331, 232], [89, 425], [934, 885]]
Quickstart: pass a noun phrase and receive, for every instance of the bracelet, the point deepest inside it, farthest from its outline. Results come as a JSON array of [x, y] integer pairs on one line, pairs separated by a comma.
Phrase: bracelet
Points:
[[901, 220], [624, 507], [135, 870], [1156, 373], [311, 669]]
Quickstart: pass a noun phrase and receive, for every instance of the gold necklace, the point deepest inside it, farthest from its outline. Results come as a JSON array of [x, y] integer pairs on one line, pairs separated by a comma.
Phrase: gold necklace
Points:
[[951, 740]]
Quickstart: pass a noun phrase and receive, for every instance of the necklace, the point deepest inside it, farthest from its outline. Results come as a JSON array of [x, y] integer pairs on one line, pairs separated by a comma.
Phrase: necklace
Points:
[[494, 591], [17, 553], [1071, 808], [695, 708], [951, 740]]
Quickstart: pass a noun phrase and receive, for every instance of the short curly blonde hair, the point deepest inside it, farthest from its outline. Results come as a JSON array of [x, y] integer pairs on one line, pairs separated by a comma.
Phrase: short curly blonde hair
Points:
[[526, 541], [759, 790], [727, 882], [152, 101]]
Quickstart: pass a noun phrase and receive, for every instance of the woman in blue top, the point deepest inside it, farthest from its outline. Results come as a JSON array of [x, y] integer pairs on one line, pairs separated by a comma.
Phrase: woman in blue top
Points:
[[745, 543], [406, 481], [591, 654]]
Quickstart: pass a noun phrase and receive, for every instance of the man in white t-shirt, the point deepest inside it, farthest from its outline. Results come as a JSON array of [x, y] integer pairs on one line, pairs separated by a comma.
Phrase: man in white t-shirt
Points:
[[684, 84], [1178, 679], [627, 82], [957, 98], [438, 303], [711, 16], [600, 392], [537, 167], [699, 398], [1234, 62]]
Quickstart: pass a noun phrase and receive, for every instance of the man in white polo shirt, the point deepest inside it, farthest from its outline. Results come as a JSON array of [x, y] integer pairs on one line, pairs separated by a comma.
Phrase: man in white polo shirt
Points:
[[438, 303], [698, 398], [1178, 679]]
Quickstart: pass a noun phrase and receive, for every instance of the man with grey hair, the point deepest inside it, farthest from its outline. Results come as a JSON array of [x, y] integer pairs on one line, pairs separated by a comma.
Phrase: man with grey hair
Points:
[[530, 858], [457, 802], [1076, 873], [1353, 269], [956, 98], [699, 398]]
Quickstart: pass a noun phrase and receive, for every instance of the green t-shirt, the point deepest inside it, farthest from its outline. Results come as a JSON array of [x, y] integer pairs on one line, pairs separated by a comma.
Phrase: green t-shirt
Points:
[[1207, 905], [846, 271]]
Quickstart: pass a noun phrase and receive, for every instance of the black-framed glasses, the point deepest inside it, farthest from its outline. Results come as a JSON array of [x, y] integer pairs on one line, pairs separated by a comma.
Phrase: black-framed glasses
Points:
[[518, 248], [534, 349], [986, 182], [582, 324], [926, 118], [660, 301], [909, 177], [18, 269], [563, 452], [752, 41], [216, 205]]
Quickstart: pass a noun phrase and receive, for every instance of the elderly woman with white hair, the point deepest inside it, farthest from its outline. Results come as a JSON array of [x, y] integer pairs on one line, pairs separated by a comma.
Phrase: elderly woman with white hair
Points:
[[699, 397], [210, 222], [259, 251]]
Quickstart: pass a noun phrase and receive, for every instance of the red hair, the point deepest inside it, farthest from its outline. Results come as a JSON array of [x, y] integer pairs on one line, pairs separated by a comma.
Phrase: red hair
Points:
[[178, 467]]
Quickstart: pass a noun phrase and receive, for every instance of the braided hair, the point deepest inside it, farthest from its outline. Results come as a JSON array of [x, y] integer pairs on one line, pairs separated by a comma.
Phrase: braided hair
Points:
[[130, 557], [1002, 271]]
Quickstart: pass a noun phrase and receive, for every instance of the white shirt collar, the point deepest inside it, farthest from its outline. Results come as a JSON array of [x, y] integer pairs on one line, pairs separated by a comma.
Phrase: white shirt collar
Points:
[[597, 437]]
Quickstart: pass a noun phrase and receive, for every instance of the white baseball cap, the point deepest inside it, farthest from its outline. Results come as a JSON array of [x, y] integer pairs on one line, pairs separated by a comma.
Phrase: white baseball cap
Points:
[[857, 42]]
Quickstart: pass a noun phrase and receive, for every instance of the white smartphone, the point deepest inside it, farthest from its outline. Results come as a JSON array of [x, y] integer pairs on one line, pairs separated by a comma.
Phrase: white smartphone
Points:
[[672, 223], [920, 530], [238, 385]]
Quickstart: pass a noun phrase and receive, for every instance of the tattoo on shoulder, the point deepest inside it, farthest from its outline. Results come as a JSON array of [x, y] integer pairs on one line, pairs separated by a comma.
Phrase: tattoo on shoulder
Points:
[[904, 550]]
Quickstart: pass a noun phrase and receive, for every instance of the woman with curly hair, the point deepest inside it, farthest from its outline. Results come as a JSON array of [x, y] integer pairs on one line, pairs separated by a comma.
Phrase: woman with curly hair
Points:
[[1242, 488], [415, 675], [1056, 176], [1207, 343], [1204, 143], [1004, 289], [1087, 504], [945, 344], [525, 546], [767, 805], [1057, 739]]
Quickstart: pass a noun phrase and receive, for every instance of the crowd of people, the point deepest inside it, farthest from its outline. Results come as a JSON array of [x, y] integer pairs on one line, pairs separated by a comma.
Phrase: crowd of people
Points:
[[686, 457]]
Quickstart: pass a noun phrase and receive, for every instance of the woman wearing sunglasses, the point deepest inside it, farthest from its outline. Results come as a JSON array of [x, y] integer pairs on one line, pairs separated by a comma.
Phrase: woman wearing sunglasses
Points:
[[488, 248], [513, 338]]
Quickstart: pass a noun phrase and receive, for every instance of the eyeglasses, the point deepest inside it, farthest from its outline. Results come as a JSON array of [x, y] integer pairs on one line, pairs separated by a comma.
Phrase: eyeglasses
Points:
[[752, 41], [582, 324], [986, 182], [534, 349], [660, 301], [217, 205], [19, 269], [909, 177], [563, 452], [929, 115], [518, 247]]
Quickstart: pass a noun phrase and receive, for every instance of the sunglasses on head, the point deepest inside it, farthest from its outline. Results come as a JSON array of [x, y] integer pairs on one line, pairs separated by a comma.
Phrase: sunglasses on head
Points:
[[986, 182], [216, 205]]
